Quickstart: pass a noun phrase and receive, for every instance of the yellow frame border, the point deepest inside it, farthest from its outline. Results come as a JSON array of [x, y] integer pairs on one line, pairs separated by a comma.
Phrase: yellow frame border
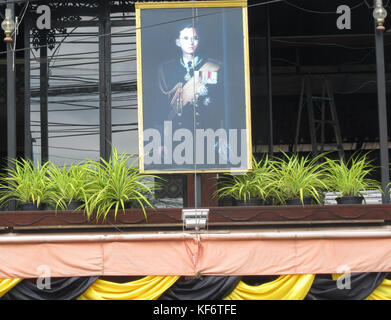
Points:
[[189, 4], [193, 4]]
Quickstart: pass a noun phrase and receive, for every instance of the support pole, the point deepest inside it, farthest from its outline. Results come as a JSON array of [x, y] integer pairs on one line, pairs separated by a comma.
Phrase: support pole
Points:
[[44, 98], [269, 80], [11, 105], [28, 148], [382, 111], [105, 80]]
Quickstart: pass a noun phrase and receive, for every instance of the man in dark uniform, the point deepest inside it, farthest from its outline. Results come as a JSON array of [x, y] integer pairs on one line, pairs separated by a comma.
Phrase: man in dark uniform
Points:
[[191, 86], [190, 103]]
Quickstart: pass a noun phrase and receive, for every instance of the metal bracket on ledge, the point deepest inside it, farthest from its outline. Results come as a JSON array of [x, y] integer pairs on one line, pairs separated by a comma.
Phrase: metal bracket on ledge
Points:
[[195, 218]]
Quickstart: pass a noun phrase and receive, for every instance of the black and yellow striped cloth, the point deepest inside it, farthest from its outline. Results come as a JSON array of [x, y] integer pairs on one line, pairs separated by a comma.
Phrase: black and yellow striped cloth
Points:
[[370, 286]]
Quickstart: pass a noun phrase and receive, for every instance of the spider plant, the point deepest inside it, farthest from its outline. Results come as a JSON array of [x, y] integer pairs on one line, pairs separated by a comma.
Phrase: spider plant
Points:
[[298, 177], [351, 178], [25, 183], [251, 185], [68, 185], [114, 183]]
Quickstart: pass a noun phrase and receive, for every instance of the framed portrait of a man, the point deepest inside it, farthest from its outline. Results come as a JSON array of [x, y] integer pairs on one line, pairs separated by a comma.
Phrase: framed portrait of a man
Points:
[[193, 86]]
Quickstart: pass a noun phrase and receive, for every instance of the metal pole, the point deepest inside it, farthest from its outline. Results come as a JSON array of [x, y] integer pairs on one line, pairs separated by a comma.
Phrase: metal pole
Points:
[[277, 233], [105, 80], [382, 111], [269, 80], [11, 105], [28, 152], [44, 99]]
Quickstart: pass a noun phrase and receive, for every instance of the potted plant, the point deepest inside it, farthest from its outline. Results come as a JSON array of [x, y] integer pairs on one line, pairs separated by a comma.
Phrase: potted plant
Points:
[[351, 179], [117, 184], [68, 186], [298, 179], [27, 184], [251, 188]]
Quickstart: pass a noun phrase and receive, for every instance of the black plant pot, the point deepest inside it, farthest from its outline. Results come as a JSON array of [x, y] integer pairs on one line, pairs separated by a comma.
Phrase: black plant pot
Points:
[[127, 205], [297, 201], [29, 206], [349, 200], [268, 202], [249, 202], [226, 202], [47, 206], [74, 204]]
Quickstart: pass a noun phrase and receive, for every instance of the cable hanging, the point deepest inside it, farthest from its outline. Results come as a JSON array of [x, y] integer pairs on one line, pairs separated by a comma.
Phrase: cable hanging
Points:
[[145, 27], [321, 12]]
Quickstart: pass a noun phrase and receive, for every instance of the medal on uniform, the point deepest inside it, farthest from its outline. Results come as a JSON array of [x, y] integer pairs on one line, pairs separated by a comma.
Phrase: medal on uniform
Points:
[[202, 90], [187, 75], [207, 101], [209, 77], [213, 77], [189, 68]]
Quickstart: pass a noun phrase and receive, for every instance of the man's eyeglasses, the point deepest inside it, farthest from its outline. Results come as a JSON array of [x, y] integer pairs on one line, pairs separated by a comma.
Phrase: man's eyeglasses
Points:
[[190, 38]]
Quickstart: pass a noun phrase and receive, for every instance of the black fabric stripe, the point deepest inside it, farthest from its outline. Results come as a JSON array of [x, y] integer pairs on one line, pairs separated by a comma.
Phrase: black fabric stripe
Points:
[[361, 286], [60, 289], [205, 288]]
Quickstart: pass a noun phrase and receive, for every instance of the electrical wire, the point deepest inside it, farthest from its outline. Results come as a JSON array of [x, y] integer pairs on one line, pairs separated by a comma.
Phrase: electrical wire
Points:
[[144, 27], [132, 2], [87, 134], [320, 12], [335, 91], [68, 148], [133, 57], [62, 41], [15, 1], [21, 19], [60, 157], [323, 44], [358, 88], [85, 125], [126, 60], [371, 7]]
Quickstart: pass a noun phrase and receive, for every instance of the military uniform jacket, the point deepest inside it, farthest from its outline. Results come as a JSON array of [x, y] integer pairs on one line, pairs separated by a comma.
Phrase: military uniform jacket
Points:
[[192, 95]]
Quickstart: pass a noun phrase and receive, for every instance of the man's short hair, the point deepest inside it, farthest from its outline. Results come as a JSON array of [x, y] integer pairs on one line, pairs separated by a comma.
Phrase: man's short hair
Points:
[[187, 25]]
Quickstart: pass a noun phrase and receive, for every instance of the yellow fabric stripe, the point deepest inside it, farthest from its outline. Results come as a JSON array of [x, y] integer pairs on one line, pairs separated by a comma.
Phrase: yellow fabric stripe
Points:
[[288, 287], [336, 276], [147, 288], [7, 284], [382, 292]]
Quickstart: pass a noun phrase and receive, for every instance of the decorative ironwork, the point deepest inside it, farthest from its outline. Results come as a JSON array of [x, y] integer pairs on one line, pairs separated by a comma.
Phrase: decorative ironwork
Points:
[[122, 5], [58, 5], [69, 11], [45, 37], [67, 19], [61, 9], [172, 188]]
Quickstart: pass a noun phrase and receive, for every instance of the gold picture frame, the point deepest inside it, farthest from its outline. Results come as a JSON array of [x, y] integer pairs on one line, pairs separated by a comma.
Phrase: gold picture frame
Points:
[[141, 7]]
